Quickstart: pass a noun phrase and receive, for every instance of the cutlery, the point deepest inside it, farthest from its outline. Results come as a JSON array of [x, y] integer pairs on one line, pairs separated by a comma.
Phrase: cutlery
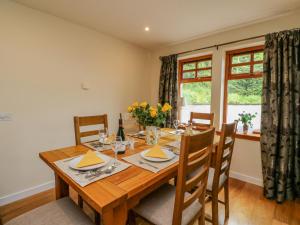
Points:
[[97, 173], [148, 164]]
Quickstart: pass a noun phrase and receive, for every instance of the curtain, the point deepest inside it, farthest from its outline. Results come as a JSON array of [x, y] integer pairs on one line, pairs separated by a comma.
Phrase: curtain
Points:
[[168, 86], [280, 126]]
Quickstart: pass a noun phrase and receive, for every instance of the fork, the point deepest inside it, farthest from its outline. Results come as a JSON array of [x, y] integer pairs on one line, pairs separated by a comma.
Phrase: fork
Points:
[[148, 164]]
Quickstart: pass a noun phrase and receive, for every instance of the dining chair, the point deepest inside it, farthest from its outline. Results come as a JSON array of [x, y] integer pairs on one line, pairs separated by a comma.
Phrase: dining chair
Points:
[[218, 177], [59, 212], [85, 121], [195, 116], [170, 205]]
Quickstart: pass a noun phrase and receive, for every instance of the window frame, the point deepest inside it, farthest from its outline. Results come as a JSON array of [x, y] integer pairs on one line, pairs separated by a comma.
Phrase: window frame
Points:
[[230, 76], [196, 60]]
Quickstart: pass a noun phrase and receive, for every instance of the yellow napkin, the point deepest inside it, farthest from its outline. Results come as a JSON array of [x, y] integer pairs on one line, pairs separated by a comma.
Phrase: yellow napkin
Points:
[[156, 152], [89, 159]]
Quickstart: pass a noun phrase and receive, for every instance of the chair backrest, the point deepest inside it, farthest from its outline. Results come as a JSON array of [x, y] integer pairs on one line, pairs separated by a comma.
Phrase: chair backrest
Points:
[[224, 153], [130, 124], [202, 116], [195, 152], [88, 121]]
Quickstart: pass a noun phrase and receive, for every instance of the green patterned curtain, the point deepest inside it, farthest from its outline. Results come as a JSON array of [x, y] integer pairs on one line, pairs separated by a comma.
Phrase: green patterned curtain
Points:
[[280, 126], [168, 86]]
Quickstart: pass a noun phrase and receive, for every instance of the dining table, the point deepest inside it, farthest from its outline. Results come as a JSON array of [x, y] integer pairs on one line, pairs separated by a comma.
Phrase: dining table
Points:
[[115, 195]]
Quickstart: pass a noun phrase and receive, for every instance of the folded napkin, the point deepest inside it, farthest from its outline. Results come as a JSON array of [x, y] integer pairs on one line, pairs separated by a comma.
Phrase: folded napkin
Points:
[[156, 152], [89, 159]]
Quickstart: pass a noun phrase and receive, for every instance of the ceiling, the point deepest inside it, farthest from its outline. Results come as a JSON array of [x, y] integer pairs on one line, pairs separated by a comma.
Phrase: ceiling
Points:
[[170, 21]]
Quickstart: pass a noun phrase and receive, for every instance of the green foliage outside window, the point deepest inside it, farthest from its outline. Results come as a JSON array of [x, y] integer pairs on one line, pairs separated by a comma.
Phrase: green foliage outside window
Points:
[[240, 92], [197, 93]]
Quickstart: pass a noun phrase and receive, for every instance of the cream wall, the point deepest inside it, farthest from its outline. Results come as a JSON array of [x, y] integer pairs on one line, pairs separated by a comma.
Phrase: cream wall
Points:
[[43, 61], [246, 164]]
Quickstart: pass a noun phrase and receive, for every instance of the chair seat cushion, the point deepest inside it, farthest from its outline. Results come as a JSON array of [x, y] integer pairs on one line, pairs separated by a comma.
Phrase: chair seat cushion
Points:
[[60, 212], [158, 207], [210, 180]]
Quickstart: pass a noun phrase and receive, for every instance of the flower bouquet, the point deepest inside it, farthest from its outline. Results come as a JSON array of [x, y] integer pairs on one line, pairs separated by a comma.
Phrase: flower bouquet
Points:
[[150, 118]]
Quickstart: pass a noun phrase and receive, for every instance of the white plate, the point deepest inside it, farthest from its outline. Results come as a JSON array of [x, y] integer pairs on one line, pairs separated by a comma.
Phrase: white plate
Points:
[[177, 132], [175, 144], [169, 154], [75, 161]]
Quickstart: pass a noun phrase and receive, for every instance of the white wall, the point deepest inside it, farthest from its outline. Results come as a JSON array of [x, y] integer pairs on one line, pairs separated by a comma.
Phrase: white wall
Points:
[[43, 60], [246, 164]]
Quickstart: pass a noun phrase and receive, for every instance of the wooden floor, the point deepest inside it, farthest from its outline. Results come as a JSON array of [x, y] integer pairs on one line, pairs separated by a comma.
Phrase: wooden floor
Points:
[[247, 207]]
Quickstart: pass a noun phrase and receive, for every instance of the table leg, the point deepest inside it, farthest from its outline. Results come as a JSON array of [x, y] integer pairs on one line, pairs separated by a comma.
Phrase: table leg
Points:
[[61, 187], [116, 215]]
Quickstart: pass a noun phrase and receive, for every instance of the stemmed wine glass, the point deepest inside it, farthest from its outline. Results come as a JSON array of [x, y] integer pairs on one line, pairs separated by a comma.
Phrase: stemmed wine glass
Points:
[[103, 135], [117, 146], [176, 124]]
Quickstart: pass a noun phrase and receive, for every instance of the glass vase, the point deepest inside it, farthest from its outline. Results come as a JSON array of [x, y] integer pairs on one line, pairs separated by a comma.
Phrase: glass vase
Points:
[[152, 135]]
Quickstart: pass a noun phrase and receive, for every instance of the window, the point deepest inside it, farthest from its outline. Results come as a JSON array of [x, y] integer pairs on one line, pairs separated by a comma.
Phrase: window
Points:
[[243, 84], [195, 85]]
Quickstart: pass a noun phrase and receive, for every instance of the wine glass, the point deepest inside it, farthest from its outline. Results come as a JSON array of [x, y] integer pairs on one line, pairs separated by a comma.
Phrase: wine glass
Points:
[[117, 146], [176, 124], [103, 135]]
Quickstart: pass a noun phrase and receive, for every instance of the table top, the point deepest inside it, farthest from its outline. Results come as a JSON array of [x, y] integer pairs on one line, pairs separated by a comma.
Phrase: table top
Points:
[[129, 185]]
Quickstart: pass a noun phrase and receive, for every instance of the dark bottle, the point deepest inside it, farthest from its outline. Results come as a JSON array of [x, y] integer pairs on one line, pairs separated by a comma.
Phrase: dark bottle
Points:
[[121, 129]]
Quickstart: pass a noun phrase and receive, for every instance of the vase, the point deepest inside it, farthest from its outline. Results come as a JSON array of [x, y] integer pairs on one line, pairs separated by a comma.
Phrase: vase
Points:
[[245, 128], [152, 135]]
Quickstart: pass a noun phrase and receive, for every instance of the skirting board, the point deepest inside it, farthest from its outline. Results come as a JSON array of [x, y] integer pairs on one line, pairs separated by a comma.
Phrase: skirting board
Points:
[[246, 178], [26, 193], [46, 186]]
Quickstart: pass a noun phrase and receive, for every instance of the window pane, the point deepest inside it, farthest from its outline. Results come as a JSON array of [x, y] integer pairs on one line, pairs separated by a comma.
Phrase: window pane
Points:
[[204, 64], [198, 98], [189, 66], [258, 68], [244, 95], [241, 59], [198, 93], [189, 74], [258, 56], [240, 69], [204, 73]]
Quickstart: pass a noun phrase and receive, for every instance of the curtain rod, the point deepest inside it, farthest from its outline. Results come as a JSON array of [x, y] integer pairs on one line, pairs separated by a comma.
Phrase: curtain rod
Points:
[[222, 44]]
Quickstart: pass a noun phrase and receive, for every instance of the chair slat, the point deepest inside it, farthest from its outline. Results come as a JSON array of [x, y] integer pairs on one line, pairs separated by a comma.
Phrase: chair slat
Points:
[[226, 156], [194, 196], [92, 120], [89, 133], [197, 162], [192, 182], [200, 143]]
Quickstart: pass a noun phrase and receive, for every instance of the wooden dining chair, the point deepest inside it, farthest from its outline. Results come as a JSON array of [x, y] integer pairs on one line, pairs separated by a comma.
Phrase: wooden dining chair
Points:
[[209, 117], [85, 121], [218, 177], [170, 205], [59, 212]]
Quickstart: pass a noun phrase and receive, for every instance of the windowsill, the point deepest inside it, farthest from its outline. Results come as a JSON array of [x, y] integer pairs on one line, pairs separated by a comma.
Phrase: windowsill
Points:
[[249, 136]]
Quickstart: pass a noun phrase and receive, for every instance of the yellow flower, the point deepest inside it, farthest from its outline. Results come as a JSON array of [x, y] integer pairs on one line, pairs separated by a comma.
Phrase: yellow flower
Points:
[[166, 107], [153, 112], [129, 109], [143, 104], [135, 105]]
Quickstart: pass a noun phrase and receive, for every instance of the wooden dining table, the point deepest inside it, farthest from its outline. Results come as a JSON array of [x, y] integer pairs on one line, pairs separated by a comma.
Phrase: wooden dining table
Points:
[[115, 195]]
